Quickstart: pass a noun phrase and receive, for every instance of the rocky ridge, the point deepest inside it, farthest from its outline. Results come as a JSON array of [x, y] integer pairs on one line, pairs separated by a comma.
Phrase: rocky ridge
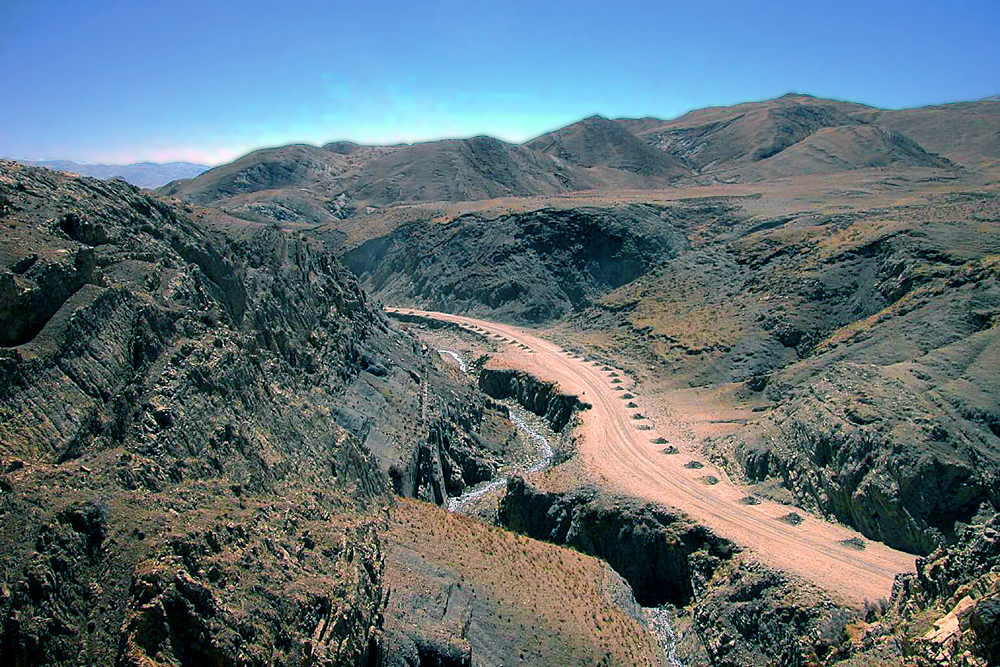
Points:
[[184, 419], [544, 264]]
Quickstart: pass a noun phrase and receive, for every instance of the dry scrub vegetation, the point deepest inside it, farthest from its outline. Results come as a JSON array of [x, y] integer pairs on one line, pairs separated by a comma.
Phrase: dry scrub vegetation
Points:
[[524, 600]]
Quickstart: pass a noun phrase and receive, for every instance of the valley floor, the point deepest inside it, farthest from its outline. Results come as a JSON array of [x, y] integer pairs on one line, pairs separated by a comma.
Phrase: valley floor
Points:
[[622, 447]]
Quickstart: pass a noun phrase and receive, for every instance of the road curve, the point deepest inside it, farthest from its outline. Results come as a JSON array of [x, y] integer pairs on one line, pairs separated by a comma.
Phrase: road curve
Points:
[[616, 449]]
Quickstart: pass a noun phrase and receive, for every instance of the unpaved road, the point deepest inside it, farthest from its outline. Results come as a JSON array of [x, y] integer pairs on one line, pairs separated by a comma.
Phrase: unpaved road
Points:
[[615, 449]]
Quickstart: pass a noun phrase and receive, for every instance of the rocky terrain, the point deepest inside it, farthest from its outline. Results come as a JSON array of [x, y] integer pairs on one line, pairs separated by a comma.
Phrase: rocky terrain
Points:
[[943, 614], [869, 333], [729, 608], [544, 264], [174, 489], [732, 610], [216, 447], [193, 469]]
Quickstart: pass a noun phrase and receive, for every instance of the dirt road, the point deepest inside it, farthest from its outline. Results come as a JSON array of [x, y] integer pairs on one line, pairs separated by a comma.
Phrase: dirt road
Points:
[[619, 448]]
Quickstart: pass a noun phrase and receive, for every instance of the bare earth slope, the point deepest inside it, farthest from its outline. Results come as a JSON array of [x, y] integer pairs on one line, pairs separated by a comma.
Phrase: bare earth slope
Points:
[[965, 132], [791, 135], [599, 142], [615, 449], [463, 170], [743, 141], [719, 138], [831, 150]]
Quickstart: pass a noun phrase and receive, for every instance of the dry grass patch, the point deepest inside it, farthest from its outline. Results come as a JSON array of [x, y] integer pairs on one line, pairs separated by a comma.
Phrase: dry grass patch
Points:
[[532, 601]]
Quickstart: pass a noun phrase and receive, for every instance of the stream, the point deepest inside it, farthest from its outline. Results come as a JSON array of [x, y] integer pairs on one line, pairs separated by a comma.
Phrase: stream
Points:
[[657, 618], [456, 504], [458, 359]]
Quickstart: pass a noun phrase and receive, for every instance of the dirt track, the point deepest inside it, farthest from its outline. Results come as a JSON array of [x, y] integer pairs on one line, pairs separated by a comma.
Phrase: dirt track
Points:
[[615, 449]]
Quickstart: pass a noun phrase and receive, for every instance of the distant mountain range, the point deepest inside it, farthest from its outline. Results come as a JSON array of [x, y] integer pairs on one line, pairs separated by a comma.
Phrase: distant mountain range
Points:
[[141, 174], [756, 141]]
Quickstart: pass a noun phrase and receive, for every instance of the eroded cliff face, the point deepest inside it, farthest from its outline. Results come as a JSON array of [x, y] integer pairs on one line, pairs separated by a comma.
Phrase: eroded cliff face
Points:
[[664, 556], [459, 450], [541, 265], [180, 480], [732, 610], [874, 448], [542, 398]]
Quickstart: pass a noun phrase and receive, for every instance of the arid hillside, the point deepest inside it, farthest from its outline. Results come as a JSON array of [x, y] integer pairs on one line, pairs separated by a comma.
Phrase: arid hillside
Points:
[[755, 141], [773, 330], [740, 142], [599, 142], [204, 430]]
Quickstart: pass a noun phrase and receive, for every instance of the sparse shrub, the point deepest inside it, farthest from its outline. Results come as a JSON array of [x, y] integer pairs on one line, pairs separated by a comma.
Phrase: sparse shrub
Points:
[[855, 543], [792, 518], [874, 610], [832, 630]]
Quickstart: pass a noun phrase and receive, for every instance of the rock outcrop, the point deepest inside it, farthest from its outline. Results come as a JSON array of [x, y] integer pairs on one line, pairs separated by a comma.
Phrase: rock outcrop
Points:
[[960, 585], [664, 556], [184, 478], [542, 398], [455, 453], [541, 265], [874, 452], [735, 611]]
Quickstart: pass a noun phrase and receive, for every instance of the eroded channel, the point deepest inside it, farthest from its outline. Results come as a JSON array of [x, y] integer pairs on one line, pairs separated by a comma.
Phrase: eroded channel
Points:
[[656, 619], [521, 418]]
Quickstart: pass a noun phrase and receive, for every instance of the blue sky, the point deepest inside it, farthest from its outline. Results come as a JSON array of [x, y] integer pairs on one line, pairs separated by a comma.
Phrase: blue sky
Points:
[[208, 81]]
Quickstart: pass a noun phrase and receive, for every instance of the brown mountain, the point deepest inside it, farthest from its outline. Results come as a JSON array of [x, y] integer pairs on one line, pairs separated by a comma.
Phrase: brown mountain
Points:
[[830, 150], [718, 138], [967, 133], [310, 184], [792, 135], [464, 170], [745, 138], [297, 165], [599, 142]]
